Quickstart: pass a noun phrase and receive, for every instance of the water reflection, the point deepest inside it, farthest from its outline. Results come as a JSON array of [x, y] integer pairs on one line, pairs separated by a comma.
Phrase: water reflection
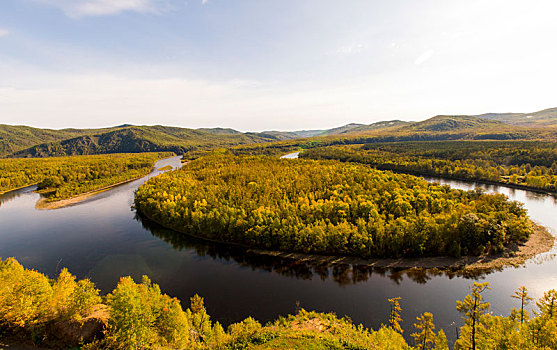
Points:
[[343, 274], [11, 195]]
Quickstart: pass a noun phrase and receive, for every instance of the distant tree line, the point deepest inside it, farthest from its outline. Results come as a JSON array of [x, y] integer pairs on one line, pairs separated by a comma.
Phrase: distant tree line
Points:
[[528, 164]]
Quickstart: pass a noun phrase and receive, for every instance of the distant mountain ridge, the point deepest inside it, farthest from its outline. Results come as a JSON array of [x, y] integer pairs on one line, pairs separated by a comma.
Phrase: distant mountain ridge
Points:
[[128, 139], [543, 118], [17, 137], [25, 141], [388, 124], [315, 132], [449, 123], [345, 129]]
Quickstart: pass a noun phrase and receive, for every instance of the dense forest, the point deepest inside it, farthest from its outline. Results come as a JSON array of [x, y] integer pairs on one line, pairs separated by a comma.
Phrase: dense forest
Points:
[[65, 312], [523, 163], [65, 177], [328, 207], [127, 139]]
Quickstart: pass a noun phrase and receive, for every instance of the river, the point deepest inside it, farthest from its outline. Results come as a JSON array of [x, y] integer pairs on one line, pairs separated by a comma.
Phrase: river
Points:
[[103, 239]]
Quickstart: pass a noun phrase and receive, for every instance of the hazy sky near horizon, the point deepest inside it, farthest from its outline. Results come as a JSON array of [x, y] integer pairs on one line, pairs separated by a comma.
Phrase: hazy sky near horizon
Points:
[[262, 64]]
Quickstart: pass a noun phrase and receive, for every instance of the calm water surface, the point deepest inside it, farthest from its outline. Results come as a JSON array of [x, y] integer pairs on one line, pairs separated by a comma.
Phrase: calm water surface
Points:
[[291, 155], [104, 239]]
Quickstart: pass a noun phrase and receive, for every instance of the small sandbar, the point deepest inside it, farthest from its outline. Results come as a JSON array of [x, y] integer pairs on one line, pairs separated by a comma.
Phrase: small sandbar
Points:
[[45, 204]]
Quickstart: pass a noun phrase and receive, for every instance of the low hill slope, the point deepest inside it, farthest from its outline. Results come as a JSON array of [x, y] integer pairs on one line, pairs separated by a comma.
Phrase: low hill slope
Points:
[[17, 137], [342, 129], [453, 123], [382, 125], [440, 128], [544, 118], [287, 135]]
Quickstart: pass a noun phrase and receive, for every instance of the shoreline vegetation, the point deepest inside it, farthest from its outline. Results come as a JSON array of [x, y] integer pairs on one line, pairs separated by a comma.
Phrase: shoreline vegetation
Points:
[[450, 177], [67, 180], [540, 241], [66, 313], [491, 162], [171, 201], [17, 188], [44, 204], [517, 164], [441, 176]]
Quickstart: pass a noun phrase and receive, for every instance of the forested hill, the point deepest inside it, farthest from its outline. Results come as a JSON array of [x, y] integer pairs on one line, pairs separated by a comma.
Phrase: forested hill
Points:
[[17, 137], [22, 141], [449, 123], [25, 141], [494, 122], [545, 118], [444, 127]]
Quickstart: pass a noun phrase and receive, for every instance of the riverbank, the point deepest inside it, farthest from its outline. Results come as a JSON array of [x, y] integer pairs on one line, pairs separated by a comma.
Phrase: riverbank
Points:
[[44, 204], [15, 189], [541, 241]]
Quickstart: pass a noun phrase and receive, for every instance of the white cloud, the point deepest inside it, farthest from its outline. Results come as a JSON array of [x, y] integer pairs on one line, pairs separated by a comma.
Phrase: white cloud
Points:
[[424, 57], [101, 100], [97, 100], [82, 8], [4, 32], [203, 2]]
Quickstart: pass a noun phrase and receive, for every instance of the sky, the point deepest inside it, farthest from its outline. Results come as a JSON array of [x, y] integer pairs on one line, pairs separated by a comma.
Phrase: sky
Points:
[[256, 65]]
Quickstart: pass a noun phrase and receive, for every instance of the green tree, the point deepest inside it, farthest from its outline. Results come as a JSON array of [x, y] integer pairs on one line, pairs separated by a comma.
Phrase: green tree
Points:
[[473, 307], [522, 295], [441, 341], [131, 317], [548, 304], [425, 337], [394, 317], [200, 320], [25, 296], [142, 317]]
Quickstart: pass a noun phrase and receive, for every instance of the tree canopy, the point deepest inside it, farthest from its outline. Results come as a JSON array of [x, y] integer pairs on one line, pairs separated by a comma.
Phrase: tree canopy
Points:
[[329, 208], [65, 177]]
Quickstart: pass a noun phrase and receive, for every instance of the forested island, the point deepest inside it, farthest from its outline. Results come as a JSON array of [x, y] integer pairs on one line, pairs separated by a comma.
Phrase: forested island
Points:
[[329, 207], [65, 312], [61, 178]]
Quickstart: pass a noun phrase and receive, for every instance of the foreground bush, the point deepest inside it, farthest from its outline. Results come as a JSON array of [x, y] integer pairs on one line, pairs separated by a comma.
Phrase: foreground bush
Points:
[[33, 305], [139, 316]]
